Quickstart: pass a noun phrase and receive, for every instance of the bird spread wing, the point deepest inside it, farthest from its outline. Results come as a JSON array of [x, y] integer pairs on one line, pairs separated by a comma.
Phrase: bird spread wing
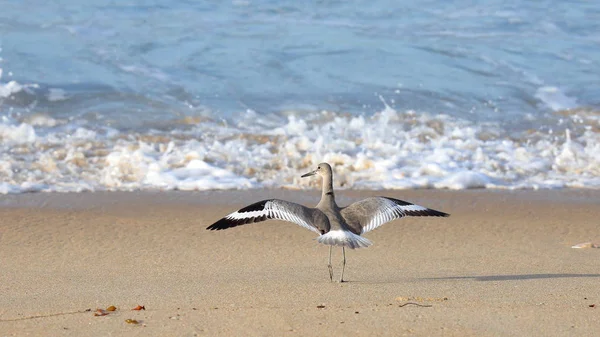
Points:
[[370, 213], [309, 218]]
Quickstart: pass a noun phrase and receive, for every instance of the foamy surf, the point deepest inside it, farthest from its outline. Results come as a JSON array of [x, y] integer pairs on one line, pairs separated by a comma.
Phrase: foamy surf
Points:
[[388, 150]]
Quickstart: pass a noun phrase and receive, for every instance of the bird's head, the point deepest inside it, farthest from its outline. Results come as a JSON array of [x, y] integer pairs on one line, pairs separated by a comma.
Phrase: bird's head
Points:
[[323, 170]]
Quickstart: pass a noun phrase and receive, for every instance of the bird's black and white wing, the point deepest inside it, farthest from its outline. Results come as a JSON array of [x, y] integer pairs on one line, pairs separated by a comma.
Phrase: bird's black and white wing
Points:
[[370, 213], [309, 218]]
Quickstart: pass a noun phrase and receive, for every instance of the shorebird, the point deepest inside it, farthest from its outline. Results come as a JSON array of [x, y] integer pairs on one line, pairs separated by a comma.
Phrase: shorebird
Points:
[[336, 226]]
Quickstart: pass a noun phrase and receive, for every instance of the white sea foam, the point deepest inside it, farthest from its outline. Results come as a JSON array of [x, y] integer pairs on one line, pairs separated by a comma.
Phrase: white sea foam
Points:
[[196, 175], [464, 180], [12, 87], [391, 149], [555, 99], [17, 134], [7, 89], [41, 120]]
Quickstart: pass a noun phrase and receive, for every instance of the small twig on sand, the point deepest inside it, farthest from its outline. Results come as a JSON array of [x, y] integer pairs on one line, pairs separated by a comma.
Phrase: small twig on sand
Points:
[[44, 316], [417, 304]]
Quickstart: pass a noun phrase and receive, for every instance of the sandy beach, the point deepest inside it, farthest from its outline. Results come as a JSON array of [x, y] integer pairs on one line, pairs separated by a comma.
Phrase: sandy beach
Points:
[[501, 265]]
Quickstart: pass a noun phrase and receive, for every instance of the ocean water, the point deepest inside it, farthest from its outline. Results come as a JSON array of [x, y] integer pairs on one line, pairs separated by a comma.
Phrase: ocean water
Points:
[[130, 95]]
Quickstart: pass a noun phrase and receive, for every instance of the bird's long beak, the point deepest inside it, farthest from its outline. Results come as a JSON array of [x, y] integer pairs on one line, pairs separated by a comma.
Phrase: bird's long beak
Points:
[[312, 173]]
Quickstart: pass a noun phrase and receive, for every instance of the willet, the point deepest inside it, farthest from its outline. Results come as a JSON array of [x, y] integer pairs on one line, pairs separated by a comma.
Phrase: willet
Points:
[[336, 226]]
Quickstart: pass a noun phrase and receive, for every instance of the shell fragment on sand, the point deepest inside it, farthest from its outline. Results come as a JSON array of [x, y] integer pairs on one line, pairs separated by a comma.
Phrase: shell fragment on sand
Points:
[[586, 245]]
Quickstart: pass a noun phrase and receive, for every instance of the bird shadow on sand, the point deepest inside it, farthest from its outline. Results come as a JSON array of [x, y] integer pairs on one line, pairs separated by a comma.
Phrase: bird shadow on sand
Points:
[[517, 277], [481, 278]]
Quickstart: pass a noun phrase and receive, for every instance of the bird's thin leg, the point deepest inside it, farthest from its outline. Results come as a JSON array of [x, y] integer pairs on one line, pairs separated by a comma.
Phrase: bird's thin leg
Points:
[[329, 265], [343, 264]]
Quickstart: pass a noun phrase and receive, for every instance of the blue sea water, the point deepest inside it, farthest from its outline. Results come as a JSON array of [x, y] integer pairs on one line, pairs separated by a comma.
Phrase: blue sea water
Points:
[[202, 95]]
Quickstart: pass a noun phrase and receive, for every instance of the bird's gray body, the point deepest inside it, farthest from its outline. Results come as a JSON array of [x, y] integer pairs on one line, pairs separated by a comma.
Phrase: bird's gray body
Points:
[[336, 226]]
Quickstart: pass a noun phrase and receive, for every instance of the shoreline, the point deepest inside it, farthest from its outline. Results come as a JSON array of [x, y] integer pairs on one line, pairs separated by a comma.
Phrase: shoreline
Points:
[[79, 200]]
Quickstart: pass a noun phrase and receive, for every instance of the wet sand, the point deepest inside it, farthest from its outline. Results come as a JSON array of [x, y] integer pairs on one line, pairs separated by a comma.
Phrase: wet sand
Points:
[[501, 265]]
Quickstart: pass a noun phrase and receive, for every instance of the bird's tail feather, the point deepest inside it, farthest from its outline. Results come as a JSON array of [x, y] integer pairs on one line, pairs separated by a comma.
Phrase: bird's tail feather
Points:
[[344, 238]]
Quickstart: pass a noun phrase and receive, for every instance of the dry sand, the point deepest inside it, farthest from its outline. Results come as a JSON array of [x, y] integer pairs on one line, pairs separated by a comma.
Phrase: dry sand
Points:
[[501, 265]]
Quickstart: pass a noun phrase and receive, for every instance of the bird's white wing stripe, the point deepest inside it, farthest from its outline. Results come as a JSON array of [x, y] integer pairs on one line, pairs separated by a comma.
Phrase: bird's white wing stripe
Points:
[[246, 215], [409, 208], [275, 211]]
